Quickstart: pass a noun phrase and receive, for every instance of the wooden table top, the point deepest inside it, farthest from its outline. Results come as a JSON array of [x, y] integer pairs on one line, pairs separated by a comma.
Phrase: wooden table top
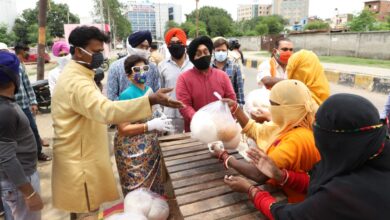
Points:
[[197, 180]]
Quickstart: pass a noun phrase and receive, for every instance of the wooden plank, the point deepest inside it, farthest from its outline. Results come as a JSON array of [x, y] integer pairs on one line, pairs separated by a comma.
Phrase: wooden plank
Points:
[[171, 143], [199, 187], [203, 194], [256, 215], [184, 150], [201, 179], [174, 137], [217, 167], [182, 156], [213, 203], [192, 165], [181, 146], [188, 159], [241, 208]]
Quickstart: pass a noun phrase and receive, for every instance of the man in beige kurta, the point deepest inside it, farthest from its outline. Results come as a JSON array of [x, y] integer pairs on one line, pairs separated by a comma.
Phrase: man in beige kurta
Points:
[[82, 178]]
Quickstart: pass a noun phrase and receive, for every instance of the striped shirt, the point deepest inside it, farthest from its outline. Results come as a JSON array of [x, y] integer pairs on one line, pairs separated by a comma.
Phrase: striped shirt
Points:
[[25, 96]]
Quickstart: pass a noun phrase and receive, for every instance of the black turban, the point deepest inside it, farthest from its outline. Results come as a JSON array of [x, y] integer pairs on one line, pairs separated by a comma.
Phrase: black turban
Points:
[[138, 37], [195, 44]]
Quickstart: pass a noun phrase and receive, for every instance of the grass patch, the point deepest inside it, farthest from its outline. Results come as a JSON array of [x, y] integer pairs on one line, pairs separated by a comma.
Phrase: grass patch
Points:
[[356, 61], [31, 69]]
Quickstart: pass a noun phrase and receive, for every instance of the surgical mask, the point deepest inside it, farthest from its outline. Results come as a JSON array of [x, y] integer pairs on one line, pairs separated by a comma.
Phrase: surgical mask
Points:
[[220, 56], [62, 61], [177, 50], [283, 56], [140, 77], [97, 59], [202, 63], [140, 52]]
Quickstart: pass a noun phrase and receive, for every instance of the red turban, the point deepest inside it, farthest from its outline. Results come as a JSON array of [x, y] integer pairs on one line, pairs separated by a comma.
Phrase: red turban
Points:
[[176, 32]]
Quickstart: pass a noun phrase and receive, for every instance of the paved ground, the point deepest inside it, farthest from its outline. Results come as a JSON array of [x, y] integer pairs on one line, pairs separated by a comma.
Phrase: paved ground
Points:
[[379, 72], [45, 127]]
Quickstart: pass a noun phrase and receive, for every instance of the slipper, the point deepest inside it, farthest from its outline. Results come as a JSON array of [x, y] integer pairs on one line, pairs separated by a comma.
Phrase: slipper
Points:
[[44, 157]]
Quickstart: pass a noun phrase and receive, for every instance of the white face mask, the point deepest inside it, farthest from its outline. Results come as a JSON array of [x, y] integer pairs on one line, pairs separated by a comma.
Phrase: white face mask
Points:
[[221, 56], [136, 51], [62, 61]]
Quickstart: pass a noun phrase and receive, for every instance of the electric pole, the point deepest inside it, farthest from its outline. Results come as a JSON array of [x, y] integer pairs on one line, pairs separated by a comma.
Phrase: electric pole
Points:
[[102, 15], [197, 18], [41, 39]]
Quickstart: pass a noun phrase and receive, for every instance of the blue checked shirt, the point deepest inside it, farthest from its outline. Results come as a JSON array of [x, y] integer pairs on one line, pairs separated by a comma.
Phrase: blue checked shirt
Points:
[[234, 72], [25, 96], [117, 80]]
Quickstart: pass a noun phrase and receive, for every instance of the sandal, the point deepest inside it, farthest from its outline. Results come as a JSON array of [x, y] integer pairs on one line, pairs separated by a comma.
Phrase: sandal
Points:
[[44, 157]]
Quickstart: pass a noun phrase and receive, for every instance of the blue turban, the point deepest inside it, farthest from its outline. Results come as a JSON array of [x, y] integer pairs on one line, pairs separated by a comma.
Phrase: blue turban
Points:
[[9, 68], [138, 37]]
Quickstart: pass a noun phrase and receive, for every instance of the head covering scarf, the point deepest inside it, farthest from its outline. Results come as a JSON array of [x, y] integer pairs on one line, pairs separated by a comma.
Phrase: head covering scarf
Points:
[[193, 47], [305, 66], [138, 37], [295, 106], [9, 68], [176, 32], [60, 47], [352, 179], [3, 46]]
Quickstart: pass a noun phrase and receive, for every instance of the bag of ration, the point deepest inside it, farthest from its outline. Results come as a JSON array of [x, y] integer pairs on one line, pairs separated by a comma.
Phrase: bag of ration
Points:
[[214, 122], [257, 100]]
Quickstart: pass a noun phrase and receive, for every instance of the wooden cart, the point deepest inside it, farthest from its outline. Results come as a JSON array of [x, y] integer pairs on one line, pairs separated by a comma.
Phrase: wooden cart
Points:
[[197, 182]]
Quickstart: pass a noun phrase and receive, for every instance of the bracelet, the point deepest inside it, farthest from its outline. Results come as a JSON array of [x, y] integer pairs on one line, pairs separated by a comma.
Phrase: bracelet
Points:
[[250, 190], [234, 112], [145, 128], [225, 163], [31, 195], [250, 193], [220, 156], [285, 177]]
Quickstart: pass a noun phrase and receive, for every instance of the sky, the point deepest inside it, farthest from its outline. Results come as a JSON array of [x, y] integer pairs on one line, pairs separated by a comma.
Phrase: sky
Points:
[[321, 8]]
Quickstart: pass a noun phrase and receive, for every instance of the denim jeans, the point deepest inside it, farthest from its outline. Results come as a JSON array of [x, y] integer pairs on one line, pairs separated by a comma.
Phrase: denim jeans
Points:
[[34, 129], [13, 200]]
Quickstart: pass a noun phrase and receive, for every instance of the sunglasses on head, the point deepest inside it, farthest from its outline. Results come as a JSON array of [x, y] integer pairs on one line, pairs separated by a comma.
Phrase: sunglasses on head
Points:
[[287, 49], [138, 69]]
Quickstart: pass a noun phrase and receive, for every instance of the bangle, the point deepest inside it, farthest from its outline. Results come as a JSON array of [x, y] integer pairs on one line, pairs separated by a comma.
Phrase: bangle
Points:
[[250, 190], [222, 155], [285, 177], [145, 128], [234, 112], [225, 163], [31, 195]]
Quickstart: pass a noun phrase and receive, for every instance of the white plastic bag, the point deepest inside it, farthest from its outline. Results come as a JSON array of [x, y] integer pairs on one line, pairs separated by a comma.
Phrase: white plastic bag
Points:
[[214, 122], [257, 100]]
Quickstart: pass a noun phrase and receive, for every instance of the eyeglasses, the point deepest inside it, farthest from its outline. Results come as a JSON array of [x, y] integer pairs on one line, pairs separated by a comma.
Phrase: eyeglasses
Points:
[[138, 69], [287, 49]]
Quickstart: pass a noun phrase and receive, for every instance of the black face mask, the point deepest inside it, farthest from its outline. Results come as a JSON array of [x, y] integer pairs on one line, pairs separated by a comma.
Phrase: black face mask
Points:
[[97, 59], [177, 50], [202, 63]]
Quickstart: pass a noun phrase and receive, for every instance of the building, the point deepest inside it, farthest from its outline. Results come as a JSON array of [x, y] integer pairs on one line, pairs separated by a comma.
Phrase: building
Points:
[[8, 13], [142, 16], [247, 12], [380, 8], [165, 13], [340, 21], [293, 10]]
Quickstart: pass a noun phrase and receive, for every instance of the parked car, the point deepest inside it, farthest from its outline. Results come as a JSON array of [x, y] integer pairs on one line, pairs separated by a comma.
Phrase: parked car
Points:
[[33, 56]]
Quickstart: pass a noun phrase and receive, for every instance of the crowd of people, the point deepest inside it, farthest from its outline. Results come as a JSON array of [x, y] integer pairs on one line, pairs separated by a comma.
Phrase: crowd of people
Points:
[[327, 154]]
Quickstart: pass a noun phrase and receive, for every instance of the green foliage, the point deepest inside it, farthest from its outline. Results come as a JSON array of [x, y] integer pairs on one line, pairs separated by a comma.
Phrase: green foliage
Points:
[[363, 22], [261, 29], [169, 25], [317, 25], [263, 25], [218, 21], [26, 26], [6, 36], [119, 23]]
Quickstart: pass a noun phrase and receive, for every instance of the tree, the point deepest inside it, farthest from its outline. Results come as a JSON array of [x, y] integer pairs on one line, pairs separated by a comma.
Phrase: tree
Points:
[[190, 29], [169, 25], [317, 25], [363, 22], [119, 23], [25, 27], [6, 36], [261, 29], [218, 21]]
